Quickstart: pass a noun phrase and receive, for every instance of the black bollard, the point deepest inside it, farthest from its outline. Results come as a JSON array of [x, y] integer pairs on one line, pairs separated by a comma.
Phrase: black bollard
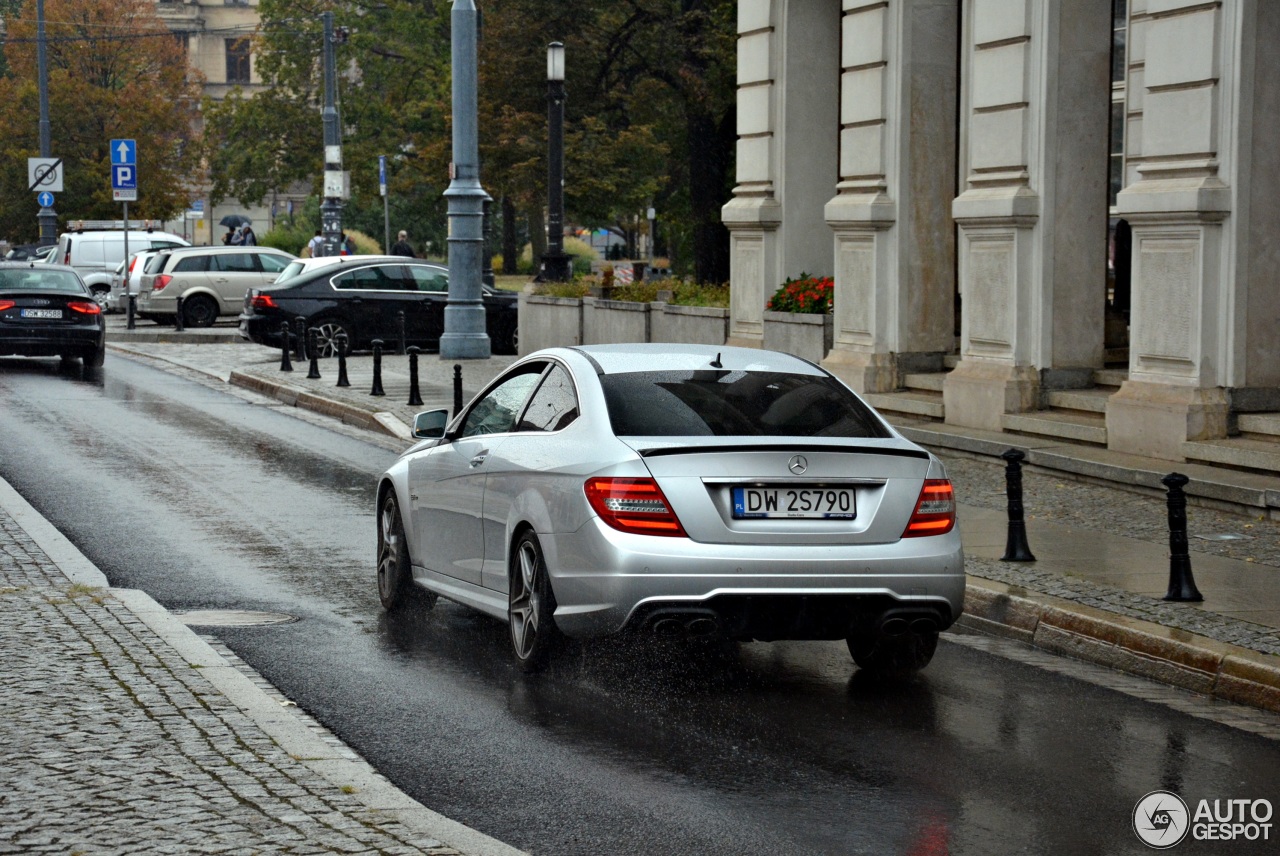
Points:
[[400, 320], [415, 397], [1182, 586], [285, 365], [377, 368], [457, 389], [1016, 548], [341, 341], [177, 316], [133, 310], [313, 348], [300, 328]]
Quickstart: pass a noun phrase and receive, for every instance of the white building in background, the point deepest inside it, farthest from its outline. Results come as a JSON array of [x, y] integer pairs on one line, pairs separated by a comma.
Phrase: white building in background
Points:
[[958, 167], [218, 36]]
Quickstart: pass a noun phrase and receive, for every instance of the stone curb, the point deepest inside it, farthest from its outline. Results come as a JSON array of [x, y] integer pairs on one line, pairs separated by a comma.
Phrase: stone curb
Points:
[[382, 422], [1142, 648], [337, 764]]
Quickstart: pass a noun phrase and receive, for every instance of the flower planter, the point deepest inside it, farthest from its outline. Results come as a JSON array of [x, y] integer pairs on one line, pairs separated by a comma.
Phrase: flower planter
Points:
[[804, 335]]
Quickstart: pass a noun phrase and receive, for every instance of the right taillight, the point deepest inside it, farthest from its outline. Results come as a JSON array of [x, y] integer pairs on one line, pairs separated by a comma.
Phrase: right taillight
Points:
[[935, 512], [633, 505], [262, 301], [161, 281]]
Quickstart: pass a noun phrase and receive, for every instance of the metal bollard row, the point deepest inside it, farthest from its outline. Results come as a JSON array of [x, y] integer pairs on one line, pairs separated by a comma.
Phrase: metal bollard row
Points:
[[1016, 548], [313, 334], [285, 364], [342, 360], [377, 368]]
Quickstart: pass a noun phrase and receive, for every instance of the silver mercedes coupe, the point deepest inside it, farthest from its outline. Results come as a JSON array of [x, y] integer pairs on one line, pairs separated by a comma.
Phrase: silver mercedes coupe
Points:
[[675, 490]]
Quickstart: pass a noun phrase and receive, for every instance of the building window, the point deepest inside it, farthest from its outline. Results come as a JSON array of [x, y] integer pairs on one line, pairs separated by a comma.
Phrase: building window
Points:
[[1119, 117], [237, 60], [184, 42]]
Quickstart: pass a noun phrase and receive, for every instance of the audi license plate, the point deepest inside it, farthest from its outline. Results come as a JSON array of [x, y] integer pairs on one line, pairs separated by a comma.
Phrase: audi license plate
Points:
[[41, 313], [809, 502]]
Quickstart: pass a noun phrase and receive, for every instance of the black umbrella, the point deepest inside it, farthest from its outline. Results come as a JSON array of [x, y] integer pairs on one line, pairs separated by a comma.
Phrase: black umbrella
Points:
[[234, 220]]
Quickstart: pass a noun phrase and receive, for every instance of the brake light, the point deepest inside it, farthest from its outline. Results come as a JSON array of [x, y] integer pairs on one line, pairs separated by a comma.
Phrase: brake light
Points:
[[263, 301], [133, 263], [6, 304], [935, 512], [633, 505], [161, 281], [86, 307]]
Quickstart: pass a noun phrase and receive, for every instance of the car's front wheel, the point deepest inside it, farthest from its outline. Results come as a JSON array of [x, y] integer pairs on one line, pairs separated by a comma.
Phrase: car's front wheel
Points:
[[199, 310], [894, 656], [534, 635], [396, 588]]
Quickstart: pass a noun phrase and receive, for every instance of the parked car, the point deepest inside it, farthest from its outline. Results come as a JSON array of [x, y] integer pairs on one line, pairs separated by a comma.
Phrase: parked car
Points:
[[137, 263], [46, 310], [361, 297], [678, 490], [96, 253], [211, 281]]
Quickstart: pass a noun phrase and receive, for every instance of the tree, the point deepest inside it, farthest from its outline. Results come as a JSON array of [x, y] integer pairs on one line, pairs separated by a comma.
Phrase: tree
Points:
[[115, 71]]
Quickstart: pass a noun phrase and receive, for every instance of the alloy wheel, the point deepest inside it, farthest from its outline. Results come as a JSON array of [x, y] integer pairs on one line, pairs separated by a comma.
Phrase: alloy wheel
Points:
[[525, 602]]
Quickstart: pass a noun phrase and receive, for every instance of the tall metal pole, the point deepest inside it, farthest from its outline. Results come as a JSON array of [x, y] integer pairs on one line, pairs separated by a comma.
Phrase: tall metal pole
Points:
[[555, 264], [47, 217], [331, 208], [464, 327]]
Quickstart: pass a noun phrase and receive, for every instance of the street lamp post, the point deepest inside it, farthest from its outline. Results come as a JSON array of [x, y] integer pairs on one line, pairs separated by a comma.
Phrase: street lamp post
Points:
[[334, 184], [47, 217], [555, 264], [464, 323]]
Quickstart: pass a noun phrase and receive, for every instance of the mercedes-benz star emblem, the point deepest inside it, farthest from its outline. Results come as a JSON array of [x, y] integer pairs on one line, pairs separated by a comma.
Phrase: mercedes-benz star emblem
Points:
[[798, 464]]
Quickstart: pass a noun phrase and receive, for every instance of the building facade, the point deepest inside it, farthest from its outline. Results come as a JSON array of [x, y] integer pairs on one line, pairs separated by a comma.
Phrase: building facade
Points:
[[1052, 217]]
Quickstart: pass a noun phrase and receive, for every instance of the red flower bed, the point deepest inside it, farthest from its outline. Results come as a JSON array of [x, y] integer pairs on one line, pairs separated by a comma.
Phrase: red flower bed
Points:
[[808, 294]]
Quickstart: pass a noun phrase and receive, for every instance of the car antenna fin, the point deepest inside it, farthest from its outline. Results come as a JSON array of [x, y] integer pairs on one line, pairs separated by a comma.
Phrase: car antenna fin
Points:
[[716, 364]]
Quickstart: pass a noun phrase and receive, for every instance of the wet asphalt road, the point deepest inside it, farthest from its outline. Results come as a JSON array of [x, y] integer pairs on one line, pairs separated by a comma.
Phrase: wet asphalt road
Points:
[[207, 501]]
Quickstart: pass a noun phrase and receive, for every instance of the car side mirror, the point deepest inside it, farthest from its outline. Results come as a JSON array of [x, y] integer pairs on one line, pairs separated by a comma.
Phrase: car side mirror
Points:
[[430, 424]]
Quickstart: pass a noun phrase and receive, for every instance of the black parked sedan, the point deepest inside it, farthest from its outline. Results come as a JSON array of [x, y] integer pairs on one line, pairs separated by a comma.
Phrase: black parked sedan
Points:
[[363, 296], [46, 311]]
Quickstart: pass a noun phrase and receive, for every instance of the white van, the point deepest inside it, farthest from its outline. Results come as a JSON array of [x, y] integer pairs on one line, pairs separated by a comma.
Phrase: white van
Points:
[[96, 254]]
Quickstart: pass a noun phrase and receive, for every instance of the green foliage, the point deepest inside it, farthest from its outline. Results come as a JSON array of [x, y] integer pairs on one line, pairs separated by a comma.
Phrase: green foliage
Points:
[[288, 235], [805, 293]]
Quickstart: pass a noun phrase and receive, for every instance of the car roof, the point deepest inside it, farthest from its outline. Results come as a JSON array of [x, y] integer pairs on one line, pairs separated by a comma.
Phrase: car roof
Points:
[[26, 264], [665, 356], [252, 248]]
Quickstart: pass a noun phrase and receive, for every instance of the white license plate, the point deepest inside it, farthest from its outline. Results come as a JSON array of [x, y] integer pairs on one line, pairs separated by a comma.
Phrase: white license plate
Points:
[[808, 502], [42, 313]]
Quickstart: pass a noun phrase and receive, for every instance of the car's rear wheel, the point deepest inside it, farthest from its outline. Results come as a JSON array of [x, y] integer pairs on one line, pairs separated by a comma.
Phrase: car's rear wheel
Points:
[[328, 331], [199, 310], [894, 656], [396, 588], [534, 635], [94, 357]]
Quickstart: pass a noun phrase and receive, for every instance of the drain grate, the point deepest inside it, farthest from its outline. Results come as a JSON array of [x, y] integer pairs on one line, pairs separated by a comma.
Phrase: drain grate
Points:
[[232, 618]]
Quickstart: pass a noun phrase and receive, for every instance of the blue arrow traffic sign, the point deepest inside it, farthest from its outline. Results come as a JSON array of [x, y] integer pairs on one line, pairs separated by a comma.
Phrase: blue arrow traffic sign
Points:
[[44, 199], [124, 152]]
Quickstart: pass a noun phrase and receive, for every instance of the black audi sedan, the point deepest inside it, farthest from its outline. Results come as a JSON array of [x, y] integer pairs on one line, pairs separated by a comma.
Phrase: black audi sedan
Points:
[[363, 296], [46, 311]]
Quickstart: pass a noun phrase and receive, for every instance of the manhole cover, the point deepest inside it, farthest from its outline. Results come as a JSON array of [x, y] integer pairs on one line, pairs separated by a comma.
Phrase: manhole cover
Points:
[[232, 618]]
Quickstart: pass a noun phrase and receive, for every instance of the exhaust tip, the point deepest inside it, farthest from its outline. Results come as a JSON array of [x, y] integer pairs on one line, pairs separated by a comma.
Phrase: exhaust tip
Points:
[[895, 627], [924, 626], [668, 628], [702, 627]]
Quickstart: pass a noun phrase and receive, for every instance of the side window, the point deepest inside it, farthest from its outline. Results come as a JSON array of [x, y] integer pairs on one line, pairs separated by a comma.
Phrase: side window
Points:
[[273, 263], [371, 279], [346, 281], [496, 412], [553, 406], [429, 279], [233, 263], [191, 264]]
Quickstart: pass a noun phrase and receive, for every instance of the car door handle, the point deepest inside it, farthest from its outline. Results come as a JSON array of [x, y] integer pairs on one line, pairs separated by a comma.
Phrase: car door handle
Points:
[[480, 458]]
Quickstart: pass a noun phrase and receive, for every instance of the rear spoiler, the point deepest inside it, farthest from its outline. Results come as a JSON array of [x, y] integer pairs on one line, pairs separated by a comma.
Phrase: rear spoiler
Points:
[[891, 451]]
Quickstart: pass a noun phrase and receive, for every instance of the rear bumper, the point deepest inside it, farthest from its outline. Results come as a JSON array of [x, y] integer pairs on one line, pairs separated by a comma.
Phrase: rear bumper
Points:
[[52, 341], [606, 581]]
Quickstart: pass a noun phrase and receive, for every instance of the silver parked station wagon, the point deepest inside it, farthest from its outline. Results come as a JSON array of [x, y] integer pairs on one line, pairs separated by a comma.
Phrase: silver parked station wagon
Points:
[[677, 490]]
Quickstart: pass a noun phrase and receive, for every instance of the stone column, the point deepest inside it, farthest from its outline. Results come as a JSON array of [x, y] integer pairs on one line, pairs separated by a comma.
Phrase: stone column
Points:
[[788, 99], [1032, 212], [894, 237], [1204, 113]]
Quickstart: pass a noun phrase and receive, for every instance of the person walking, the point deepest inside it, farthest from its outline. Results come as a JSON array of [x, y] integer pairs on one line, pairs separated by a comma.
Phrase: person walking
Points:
[[316, 245], [226, 239], [237, 238], [247, 237], [401, 247]]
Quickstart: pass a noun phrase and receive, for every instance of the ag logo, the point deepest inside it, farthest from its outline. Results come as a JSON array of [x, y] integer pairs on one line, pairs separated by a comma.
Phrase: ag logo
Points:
[[1161, 819]]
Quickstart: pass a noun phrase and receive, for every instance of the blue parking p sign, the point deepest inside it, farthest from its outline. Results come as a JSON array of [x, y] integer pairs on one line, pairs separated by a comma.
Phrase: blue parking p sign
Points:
[[124, 177]]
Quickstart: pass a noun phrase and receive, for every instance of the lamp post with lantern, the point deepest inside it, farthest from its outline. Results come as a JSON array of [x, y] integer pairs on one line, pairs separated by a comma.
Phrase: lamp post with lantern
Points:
[[555, 263]]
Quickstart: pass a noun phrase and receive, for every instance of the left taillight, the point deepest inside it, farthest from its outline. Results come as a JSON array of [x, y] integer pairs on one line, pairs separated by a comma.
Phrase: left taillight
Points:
[[85, 307], [935, 512], [262, 301], [633, 505], [6, 304]]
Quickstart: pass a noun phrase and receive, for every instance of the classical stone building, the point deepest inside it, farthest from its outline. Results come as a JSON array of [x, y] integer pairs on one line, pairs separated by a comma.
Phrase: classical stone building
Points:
[[1049, 217]]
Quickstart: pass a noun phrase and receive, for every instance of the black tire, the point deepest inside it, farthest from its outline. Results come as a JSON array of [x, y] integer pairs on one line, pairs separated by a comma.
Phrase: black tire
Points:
[[894, 656], [531, 607], [506, 339], [327, 332], [396, 588], [199, 310], [94, 357]]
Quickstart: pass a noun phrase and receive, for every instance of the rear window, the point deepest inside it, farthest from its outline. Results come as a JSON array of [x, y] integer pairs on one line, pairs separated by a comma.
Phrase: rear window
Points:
[[40, 278], [156, 262], [718, 403]]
